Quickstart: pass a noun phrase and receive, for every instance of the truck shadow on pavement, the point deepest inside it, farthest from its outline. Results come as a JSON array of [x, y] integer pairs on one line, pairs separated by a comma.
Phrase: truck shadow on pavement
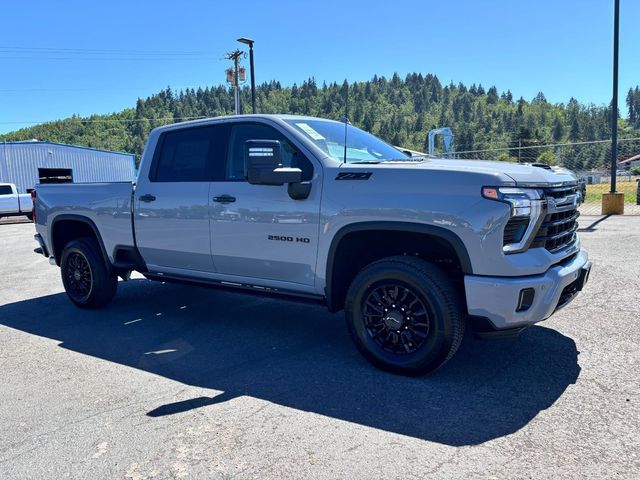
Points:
[[300, 356]]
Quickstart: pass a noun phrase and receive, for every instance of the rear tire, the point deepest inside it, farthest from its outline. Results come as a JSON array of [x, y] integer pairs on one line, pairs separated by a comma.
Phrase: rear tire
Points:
[[88, 281], [404, 315]]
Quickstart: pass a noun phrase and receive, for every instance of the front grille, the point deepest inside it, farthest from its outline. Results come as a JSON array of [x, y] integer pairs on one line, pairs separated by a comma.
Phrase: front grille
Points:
[[560, 192], [558, 228]]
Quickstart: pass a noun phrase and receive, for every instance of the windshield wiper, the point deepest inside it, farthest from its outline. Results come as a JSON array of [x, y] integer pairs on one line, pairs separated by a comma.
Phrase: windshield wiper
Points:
[[364, 162]]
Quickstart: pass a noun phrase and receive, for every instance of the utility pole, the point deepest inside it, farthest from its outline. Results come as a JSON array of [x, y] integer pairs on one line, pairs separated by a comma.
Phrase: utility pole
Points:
[[614, 102], [519, 150], [235, 56]]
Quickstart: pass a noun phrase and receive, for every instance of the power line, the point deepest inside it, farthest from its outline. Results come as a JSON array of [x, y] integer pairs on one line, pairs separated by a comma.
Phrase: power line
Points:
[[106, 120], [94, 51], [175, 88], [538, 147], [159, 57], [54, 53]]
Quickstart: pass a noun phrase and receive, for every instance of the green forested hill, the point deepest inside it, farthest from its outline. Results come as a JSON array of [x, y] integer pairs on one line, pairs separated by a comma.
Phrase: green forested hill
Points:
[[401, 111]]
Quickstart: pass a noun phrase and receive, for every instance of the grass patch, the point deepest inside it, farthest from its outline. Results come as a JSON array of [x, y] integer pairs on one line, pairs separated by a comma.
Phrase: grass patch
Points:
[[594, 192]]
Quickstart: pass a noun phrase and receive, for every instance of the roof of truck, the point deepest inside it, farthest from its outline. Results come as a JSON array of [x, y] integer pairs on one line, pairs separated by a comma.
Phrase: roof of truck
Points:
[[269, 116]]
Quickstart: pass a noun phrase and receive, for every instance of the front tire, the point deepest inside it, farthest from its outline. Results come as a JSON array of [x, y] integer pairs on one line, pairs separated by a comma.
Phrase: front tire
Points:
[[88, 281], [404, 315]]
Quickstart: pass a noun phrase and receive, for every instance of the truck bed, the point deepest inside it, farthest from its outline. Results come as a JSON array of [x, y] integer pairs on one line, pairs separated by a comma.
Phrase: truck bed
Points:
[[106, 205]]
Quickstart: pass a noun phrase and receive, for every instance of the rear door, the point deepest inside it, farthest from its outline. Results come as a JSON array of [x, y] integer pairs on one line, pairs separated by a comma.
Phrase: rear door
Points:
[[172, 204], [258, 231]]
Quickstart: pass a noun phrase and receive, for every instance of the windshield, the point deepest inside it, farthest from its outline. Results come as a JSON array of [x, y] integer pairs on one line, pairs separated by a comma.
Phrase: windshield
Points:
[[361, 146]]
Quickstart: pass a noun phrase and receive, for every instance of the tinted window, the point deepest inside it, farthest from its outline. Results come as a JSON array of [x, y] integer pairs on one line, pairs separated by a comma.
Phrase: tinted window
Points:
[[5, 190], [189, 155], [240, 133]]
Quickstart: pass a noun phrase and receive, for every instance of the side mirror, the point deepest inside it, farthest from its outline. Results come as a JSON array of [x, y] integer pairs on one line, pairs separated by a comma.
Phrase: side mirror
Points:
[[263, 165]]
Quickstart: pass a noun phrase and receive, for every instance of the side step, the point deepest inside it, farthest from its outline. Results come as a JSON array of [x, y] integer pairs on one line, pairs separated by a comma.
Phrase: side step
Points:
[[246, 288]]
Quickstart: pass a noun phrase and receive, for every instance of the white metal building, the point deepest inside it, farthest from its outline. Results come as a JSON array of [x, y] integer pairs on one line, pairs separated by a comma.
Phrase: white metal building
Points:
[[590, 177], [29, 163]]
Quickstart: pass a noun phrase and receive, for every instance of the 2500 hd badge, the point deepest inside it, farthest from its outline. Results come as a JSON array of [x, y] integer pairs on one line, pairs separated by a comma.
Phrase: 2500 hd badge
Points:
[[283, 238]]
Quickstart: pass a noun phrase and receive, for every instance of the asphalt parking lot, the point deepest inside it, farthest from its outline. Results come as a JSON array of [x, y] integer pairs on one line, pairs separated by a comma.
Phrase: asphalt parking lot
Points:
[[182, 382]]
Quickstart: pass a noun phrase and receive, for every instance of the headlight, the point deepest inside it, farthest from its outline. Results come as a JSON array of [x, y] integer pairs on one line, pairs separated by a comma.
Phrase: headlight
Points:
[[519, 198], [527, 212]]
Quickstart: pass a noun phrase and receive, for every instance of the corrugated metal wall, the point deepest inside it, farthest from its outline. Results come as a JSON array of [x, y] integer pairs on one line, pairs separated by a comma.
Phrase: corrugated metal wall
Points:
[[19, 163]]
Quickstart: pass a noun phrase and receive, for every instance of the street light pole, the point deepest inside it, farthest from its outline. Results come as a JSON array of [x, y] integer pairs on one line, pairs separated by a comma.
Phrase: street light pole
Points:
[[613, 202], [253, 79], [248, 41], [614, 101]]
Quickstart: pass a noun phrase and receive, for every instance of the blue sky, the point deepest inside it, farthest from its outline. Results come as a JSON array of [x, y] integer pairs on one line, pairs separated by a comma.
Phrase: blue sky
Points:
[[58, 58]]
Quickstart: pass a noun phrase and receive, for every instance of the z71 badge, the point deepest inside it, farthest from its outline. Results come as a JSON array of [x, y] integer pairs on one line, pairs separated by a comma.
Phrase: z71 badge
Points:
[[354, 175]]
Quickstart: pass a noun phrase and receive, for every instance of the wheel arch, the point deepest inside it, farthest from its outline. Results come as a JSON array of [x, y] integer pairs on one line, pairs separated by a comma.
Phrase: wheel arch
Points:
[[73, 227], [335, 289]]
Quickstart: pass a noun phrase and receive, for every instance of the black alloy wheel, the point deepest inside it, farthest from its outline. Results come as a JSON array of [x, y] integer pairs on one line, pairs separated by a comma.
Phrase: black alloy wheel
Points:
[[405, 315], [396, 317], [79, 277], [87, 277]]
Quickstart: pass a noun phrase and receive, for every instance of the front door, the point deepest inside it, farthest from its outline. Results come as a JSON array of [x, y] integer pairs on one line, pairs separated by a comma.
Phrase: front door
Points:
[[259, 231], [172, 205]]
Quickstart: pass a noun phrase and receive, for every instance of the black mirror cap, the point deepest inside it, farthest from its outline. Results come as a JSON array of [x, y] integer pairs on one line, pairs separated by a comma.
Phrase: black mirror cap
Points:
[[261, 158], [262, 153], [299, 190], [263, 164]]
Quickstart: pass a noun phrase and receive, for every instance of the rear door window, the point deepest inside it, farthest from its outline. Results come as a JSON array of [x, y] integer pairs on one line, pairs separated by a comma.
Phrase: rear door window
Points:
[[190, 154]]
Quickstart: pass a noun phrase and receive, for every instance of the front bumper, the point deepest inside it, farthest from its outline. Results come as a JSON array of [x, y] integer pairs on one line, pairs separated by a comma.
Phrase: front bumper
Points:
[[497, 298]]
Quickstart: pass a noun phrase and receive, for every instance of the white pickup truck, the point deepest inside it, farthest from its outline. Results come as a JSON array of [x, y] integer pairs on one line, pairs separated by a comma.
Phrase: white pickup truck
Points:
[[12, 203]]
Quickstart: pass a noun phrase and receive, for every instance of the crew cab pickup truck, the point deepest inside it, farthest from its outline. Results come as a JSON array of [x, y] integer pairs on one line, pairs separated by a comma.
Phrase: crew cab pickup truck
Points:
[[412, 249], [12, 203]]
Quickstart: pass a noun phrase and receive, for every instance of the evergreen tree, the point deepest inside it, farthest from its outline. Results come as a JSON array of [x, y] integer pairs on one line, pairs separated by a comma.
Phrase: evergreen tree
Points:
[[399, 110], [492, 95], [558, 129]]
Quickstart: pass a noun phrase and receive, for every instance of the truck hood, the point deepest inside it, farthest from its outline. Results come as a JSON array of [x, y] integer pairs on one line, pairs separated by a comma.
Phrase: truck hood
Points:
[[521, 175]]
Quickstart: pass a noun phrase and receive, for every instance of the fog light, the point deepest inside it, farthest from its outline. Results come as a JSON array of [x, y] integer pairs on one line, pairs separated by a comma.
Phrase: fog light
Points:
[[525, 299]]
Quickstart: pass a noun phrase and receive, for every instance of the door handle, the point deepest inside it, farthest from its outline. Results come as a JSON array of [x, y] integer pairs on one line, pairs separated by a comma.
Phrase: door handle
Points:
[[224, 199], [147, 198]]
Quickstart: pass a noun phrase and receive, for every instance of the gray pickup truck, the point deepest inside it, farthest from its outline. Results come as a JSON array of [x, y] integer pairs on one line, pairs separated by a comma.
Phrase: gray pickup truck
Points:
[[412, 249]]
